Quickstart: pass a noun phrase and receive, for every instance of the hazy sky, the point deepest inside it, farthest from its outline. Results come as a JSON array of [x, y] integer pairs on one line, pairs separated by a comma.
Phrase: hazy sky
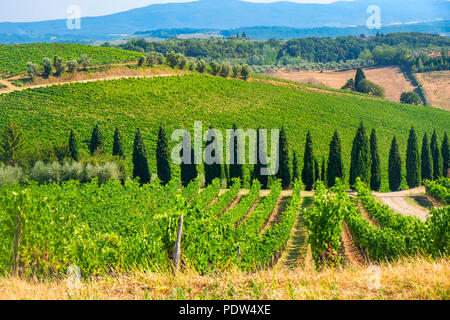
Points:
[[37, 10]]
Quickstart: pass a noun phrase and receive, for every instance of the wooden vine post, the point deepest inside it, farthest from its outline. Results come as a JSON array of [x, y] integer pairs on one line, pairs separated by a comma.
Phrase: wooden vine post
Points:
[[177, 249]]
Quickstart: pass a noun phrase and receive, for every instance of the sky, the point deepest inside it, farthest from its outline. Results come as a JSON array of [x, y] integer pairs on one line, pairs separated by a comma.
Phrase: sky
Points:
[[39, 10]]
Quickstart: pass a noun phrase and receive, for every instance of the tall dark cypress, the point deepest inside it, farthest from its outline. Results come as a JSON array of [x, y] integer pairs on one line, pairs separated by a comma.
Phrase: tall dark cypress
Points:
[[316, 170], [375, 170], [412, 161], [436, 154], [446, 156], [261, 157], [118, 145], [73, 146], [214, 170], [335, 166], [360, 161], [395, 167], [295, 171], [189, 169], [283, 171], [427, 167], [323, 172], [236, 169], [140, 161], [308, 164], [163, 157], [97, 141]]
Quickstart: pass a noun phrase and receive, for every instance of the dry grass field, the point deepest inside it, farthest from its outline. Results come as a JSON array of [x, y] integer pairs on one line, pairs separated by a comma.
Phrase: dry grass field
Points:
[[437, 88], [390, 78]]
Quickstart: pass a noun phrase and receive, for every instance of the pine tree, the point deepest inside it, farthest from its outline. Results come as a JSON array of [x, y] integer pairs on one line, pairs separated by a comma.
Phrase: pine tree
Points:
[[283, 171], [412, 161], [360, 162], [214, 170], [308, 164], [427, 168], [73, 146], [395, 167], [236, 169], [335, 166], [118, 145], [375, 172], [323, 173], [188, 170], [97, 141], [316, 170], [446, 156], [140, 162], [163, 157], [295, 172], [436, 154]]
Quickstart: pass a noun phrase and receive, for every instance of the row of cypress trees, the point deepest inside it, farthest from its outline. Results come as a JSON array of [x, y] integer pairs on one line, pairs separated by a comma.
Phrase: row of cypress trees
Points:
[[430, 164]]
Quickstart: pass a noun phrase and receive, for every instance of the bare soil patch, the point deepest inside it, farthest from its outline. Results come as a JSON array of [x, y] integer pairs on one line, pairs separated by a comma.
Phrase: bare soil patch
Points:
[[390, 78], [437, 88]]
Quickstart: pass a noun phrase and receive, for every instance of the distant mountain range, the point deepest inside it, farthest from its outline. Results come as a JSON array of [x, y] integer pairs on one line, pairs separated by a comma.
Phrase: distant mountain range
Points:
[[233, 14]]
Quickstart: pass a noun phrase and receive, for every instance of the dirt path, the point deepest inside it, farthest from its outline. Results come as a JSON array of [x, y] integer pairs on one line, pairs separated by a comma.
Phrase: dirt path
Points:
[[7, 84], [274, 218], [352, 253], [233, 203], [296, 252], [399, 202]]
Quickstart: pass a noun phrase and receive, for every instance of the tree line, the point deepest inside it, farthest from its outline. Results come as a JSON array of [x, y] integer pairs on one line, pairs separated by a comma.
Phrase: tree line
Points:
[[57, 66], [430, 162]]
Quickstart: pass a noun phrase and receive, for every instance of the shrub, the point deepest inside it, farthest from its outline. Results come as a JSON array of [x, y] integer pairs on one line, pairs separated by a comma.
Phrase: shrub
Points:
[[410, 98], [11, 175]]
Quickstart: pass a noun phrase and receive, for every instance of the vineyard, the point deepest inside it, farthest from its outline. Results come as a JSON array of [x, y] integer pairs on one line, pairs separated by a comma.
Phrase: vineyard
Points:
[[46, 115], [14, 58]]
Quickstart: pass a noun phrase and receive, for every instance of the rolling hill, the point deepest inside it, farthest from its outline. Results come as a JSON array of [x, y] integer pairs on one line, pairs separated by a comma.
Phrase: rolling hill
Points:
[[236, 13], [47, 114]]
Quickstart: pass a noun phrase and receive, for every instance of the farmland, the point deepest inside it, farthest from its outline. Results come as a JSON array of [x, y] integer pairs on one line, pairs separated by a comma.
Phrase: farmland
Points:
[[47, 114], [390, 78], [437, 88], [14, 58]]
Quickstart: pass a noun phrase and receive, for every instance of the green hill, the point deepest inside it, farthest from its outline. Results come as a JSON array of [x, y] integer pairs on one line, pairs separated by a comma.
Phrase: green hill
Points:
[[14, 58], [47, 114]]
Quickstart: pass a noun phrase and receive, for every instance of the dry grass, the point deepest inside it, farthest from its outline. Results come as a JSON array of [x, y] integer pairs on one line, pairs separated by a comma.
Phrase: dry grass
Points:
[[407, 279], [390, 78], [437, 88]]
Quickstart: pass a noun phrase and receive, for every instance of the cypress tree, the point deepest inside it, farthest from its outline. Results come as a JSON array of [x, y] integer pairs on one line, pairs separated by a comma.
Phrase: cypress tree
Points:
[[212, 171], [375, 170], [446, 156], [188, 170], [236, 169], [163, 157], [395, 167], [308, 164], [118, 145], [73, 146], [97, 141], [260, 158], [360, 162], [335, 166], [316, 170], [358, 78], [436, 154], [283, 171], [323, 174], [140, 162], [412, 161], [295, 172], [427, 168]]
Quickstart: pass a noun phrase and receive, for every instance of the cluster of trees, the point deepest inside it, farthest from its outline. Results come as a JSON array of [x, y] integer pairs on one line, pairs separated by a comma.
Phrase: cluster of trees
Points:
[[410, 98], [57, 67], [395, 48], [361, 84]]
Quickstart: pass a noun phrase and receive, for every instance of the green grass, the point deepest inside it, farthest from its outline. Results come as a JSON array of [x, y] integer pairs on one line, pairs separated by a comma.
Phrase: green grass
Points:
[[48, 114], [14, 58]]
